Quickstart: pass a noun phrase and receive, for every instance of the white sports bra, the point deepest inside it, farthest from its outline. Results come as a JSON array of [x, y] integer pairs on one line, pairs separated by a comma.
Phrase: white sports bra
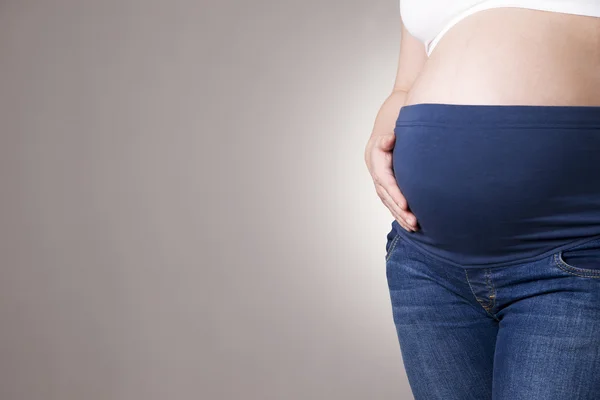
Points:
[[430, 20]]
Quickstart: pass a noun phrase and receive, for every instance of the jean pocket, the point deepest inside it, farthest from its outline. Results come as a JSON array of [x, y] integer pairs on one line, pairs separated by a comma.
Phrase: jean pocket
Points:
[[582, 259], [392, 239]]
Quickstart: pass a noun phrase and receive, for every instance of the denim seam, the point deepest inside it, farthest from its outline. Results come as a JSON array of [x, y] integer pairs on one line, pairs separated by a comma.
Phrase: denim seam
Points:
[[392, 246], [492, 289], [476, 298], [583, 272]]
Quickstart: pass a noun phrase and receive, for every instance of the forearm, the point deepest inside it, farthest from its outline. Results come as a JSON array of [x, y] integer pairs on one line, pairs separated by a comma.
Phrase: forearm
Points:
[[385, 121]]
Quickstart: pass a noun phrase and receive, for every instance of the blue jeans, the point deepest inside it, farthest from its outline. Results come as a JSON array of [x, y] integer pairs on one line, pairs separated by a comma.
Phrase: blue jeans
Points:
[[529, 331]]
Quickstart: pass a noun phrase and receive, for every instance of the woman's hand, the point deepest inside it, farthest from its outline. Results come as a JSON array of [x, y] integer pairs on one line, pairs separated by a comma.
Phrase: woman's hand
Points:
[[378, 157]]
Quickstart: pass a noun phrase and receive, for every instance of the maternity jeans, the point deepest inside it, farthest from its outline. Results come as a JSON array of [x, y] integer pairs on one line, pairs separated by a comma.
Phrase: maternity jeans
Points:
[[497, 295]]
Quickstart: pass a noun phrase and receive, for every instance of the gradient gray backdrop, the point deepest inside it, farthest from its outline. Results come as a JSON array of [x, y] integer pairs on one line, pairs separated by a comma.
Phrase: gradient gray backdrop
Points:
[[185, 211]]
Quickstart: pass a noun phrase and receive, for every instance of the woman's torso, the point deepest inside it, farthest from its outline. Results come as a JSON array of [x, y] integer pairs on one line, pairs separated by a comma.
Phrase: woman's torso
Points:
[[514, 56], [492, 180]]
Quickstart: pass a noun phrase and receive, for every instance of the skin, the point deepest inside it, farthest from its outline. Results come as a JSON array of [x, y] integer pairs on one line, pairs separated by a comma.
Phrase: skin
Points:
[[500, 56]]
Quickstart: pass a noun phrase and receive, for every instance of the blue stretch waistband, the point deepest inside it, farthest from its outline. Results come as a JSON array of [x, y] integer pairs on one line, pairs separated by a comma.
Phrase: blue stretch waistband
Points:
[[488, 115], [495, 185]]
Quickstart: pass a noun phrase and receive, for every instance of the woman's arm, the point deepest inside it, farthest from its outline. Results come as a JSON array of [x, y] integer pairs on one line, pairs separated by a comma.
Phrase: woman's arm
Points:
[[411, 60], [378, 156]]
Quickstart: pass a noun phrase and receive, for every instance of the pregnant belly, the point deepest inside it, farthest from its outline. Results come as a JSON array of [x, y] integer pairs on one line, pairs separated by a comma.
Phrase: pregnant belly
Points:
[[545, 58], [499, 183]]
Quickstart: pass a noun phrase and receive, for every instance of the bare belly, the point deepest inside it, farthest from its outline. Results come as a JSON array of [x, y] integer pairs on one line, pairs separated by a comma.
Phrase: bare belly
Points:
[[514, 56], [502, 165]]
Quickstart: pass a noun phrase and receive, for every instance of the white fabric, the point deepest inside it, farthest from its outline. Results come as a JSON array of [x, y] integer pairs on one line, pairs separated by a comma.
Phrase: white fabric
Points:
[[430, 20]]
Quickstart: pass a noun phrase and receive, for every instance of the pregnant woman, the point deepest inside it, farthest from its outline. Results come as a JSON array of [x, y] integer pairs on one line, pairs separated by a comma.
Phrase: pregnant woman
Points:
[[487, 154]]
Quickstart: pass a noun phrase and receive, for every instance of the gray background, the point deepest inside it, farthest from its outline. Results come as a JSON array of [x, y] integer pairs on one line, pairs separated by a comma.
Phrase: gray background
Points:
[[185, 211]]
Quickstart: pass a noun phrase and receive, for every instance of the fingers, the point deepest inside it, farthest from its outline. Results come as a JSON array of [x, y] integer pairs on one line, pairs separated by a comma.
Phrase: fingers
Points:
[[388, 190], [379, 161], [399, 214], [392, 189]]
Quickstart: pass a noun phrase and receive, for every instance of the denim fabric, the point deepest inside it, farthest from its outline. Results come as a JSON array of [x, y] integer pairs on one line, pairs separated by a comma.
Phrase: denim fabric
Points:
[[527, 331]]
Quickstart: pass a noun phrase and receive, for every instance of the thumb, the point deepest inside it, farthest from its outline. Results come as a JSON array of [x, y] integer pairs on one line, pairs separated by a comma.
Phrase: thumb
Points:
[[387, 141]]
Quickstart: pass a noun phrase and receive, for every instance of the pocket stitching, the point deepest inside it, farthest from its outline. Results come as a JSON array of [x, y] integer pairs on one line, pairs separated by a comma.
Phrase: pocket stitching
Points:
[[584, 272], [392, 246]]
